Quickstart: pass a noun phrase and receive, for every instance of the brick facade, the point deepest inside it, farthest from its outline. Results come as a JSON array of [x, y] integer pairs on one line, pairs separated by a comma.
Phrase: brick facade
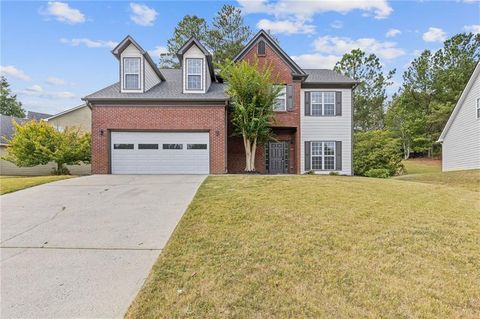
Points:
[[185, 118], [282, 74]]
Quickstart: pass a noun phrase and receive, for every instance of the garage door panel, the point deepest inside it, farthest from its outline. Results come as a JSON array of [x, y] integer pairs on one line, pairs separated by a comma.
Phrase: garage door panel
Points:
[[160, 161]]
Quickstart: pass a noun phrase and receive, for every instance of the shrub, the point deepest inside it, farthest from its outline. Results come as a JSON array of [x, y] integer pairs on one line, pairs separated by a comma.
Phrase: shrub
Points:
[[334, 173], [378, 173], [310, 172], [377, 150]]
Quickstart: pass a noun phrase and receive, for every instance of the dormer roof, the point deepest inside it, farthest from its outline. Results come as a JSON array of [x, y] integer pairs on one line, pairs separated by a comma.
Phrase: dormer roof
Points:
[[193, 41], [117, 51], [262, 35]]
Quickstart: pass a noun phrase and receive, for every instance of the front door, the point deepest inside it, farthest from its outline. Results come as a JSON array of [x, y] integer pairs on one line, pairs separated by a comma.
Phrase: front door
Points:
[[276, 157]]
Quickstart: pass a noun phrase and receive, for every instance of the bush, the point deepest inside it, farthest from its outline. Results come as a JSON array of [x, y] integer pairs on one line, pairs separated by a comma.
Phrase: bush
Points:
[[377, 150], [378, 173], [334, 173], [310, 172]]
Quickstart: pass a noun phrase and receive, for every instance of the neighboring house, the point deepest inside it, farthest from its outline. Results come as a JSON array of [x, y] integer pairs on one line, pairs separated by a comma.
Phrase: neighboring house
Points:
[[461, 136], [79, 116], [163, 121]]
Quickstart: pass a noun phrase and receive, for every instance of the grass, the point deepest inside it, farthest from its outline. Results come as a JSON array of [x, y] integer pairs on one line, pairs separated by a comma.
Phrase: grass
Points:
[[10, 184], [422, 166], [319, 247], [469, 180]]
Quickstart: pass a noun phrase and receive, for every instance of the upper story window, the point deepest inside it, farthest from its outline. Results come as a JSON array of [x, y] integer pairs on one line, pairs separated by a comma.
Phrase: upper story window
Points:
[[194, 74], [131, 73], [280, 103], [261, 48], [323, 104], [478, 108]]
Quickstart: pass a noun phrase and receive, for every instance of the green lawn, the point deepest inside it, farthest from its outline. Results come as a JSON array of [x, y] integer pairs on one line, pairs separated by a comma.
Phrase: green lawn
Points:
[[469, 180], [10, 184], [319, 247], [422, 165]]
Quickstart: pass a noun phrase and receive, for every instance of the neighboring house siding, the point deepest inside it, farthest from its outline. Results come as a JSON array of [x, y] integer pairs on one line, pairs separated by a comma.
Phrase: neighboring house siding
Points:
[[461, 145], [81, 118], [329, 128], [182, 118], [195, 53]]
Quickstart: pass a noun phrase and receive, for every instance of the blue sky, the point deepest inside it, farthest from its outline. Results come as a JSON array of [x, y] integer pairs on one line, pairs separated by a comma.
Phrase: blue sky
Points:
[[54, 53]]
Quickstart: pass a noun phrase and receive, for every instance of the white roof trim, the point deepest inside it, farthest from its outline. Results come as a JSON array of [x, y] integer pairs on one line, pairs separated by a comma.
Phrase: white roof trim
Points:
[[455, 111], [65, 112]]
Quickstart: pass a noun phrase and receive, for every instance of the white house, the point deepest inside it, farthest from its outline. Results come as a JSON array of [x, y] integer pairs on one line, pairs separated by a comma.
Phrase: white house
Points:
[[461, 136]]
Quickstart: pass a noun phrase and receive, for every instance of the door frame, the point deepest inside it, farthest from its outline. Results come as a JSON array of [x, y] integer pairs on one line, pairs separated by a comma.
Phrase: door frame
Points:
[[286, 156]]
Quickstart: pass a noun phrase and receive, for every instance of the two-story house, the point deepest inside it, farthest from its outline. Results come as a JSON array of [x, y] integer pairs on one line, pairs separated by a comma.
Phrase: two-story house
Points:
[[176, 121]]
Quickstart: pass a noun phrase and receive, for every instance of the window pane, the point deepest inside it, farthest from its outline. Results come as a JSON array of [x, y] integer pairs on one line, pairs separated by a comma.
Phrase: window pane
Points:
[[196, 146], [148, 146], [123, 146], [172, 146], [132, 65], [194, 66], [316, 97], [316, 162], [316, 148], [329, 97], [279, 105], [194, 82], [329, 109], [329, 162], [329, 148], [132, 81], [316, 109]]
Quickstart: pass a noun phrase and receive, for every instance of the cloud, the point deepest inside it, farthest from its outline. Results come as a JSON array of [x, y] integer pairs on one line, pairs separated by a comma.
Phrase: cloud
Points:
[[158, 51], [142, 14], [474, 28], [64, 13], [316, 61], [286, 26], [434, 35], [307, 9], [341, 45], [337, 24], [56, 81], [393, 33], [11, 71], [89, 43], [37, 90]]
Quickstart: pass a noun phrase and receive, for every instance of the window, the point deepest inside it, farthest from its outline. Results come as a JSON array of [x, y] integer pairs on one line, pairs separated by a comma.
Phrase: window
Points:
[[131, 73], [172, 146], [194, 74], [323, 155], [123, 146], [261, 48], [280, 103], [323, 104], [148, 146], [478, 108], [196, 146]]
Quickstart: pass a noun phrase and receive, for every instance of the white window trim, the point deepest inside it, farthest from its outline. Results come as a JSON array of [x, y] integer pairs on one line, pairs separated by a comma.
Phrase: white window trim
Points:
[[140, 77], [202, 71], [322, 103], [323, 156], [478, 108], [283, 93]]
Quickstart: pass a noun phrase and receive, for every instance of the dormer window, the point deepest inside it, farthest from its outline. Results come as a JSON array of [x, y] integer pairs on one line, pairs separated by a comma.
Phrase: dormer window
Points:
[[194, 74], [131, 73], [261, 48]]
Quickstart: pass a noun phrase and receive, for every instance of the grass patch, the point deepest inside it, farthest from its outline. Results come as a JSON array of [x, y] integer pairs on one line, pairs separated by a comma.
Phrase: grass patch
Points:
[[469, 180], [311, 246], [422, 166], [10, 184]]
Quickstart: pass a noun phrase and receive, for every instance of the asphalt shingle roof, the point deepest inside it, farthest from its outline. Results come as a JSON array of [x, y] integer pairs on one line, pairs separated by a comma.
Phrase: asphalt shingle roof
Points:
[[171, 89], [6, 127], [326, 76], [37, 116]]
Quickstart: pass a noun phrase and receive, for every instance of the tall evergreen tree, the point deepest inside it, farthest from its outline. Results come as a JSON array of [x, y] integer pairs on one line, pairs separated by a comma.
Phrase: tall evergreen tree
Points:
[[8, 102]]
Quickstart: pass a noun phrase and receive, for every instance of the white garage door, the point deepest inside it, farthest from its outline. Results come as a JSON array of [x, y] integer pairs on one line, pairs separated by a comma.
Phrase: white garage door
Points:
[[160, 153]]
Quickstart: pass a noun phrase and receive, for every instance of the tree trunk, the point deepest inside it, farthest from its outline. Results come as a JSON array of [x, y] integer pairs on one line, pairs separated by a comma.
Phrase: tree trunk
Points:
[[246, 143], [59, 168], [252, 155]]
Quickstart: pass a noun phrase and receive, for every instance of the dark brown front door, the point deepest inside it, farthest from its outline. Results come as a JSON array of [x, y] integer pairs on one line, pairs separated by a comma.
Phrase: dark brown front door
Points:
[[276, 157]]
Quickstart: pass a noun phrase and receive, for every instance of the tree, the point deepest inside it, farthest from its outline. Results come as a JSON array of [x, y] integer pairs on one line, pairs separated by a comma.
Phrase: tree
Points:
[[8, 102], [369, 96], [228, 34], [252, 94], [190, 26], [38, 143]]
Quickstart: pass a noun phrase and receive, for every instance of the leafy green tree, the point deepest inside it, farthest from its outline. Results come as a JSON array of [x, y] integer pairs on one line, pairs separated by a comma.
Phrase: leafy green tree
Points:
[[8, 102], [38, 143], [370, 94], [253, 94], [228, 34], [190, 26]]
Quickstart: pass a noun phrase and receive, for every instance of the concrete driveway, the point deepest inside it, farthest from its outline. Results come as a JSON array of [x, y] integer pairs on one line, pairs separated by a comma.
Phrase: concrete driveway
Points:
[[83, 247]]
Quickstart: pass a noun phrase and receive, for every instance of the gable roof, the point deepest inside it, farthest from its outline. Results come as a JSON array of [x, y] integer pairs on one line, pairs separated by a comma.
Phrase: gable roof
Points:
[[322, 76], [66, 111], [298, 71], [37, 115], [117, 51], [462, 98], [187, 45]]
